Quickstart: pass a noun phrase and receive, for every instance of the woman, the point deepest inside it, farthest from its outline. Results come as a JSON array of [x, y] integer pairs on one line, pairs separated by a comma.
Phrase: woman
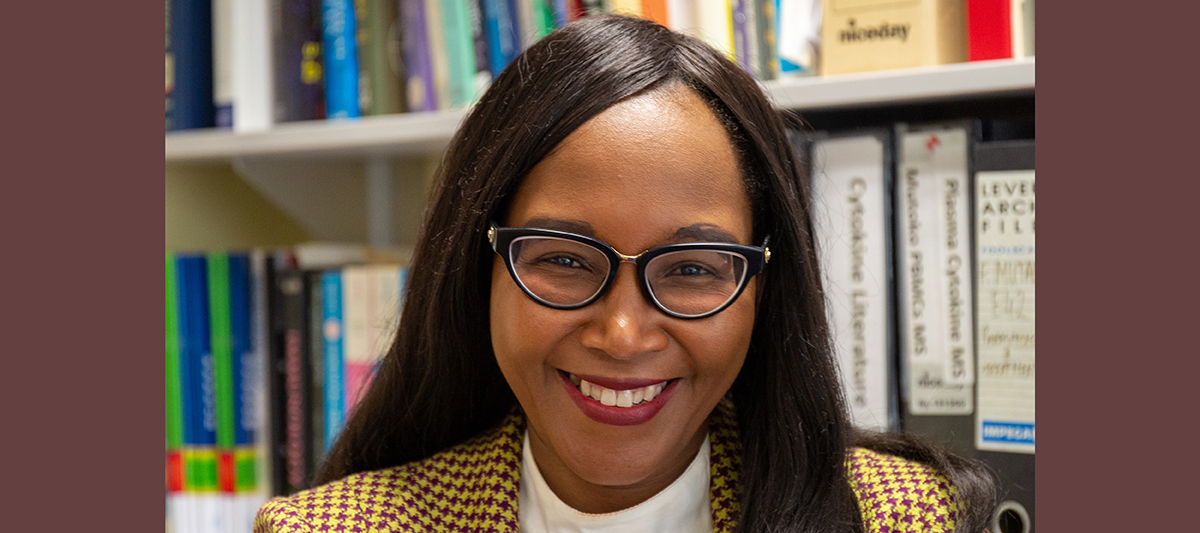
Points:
[[538, 382]]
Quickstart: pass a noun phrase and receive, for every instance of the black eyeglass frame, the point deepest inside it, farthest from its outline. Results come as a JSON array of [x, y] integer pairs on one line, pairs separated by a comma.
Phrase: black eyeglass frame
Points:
[[501, 239]]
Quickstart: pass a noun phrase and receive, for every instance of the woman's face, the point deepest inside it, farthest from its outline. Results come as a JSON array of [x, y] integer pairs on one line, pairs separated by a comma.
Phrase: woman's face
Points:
[[654, 169]]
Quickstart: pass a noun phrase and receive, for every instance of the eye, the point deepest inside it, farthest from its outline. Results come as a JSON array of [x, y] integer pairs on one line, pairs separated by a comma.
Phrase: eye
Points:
[[562, 261], [691, 270]]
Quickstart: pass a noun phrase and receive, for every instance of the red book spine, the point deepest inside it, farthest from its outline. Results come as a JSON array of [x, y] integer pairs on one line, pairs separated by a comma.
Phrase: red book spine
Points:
[[989, 29]]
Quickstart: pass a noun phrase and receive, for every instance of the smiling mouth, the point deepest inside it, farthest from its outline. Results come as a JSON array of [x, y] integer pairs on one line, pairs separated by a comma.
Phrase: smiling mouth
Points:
[[618, 398]]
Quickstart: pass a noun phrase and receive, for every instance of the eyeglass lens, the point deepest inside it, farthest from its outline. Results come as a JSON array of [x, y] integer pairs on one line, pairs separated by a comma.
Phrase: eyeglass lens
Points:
[[565, 272]]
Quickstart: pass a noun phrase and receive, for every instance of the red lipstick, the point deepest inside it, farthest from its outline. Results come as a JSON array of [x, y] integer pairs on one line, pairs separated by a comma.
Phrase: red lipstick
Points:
[[618, 416]]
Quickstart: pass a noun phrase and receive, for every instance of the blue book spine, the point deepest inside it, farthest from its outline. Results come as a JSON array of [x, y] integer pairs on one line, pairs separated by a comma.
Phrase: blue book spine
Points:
[[332, 332], [191, 92], [504, 39], [341, 59], [193, 303], [246, 382], [561, 14]]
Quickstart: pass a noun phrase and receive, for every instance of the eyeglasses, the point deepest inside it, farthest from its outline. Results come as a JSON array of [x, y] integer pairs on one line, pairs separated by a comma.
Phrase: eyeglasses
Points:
[[568, 271]]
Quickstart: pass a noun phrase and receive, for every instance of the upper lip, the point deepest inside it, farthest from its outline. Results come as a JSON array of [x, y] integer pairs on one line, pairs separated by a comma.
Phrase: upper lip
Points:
[[620, 383]]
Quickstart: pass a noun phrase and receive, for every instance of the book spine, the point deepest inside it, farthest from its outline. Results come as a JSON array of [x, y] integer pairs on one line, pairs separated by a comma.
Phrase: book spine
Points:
[[798, 26], [544, 19], [852, 217], [252, 85], [631, 8], [576, 10], [438, 53], [363, 36], [178, 516], [246, 379], [341, 59], [200, 455], [681, 16], [933, 254], [299, 66], [221, 343], [479, 40], [562, 12], [332, 334], [420, 91], [316, 367], [357, 293], [656, 10], [223, 59], [191, 46], [297, 436], [741, 41], [385, 66], [989, 29], [766, 37], [460, 51], [504, 41], [261, 277], [525, 24], [715, 23]]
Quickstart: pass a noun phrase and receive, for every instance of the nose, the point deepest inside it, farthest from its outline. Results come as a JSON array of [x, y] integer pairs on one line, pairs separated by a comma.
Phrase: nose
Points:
[[624, 324]]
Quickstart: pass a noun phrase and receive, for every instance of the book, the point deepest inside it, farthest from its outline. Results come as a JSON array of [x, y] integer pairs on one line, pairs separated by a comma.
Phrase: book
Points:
[[197, 385], [380, 59], [299, 65], [460, 51], [1022, 28], [1005, 424], [179, 513], [504, 40], [935, 285], [261, 282], [418, 63], [332, 334], [989, 29], [217, 266], [765, 59], [189, 65], [714, 24], [632, 8], [359, 297], [438, 53], [851, 177], [798, 33], [656, 10], [741, 34], [479, 40], [295, 346], [859, 36], [253, 85], [316, 388], [223, 62], [339, 34], [545, 20]]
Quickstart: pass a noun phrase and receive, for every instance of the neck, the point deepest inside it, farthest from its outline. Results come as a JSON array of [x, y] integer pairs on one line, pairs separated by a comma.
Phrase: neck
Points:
[[596, 498]]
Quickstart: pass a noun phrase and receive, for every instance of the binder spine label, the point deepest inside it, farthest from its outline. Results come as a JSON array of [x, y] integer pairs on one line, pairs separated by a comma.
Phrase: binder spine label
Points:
[[1005, 279], [850, 197], [937, 340]]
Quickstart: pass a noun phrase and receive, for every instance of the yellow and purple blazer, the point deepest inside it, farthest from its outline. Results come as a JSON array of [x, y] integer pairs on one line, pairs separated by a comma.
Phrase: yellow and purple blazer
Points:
[[474, 487]]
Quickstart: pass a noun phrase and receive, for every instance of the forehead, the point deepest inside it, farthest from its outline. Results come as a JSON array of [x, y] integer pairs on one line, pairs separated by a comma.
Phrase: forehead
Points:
[[639, 171]]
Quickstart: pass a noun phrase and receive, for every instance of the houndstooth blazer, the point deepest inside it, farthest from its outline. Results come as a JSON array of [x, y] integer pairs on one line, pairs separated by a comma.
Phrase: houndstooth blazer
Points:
[[474, 487]]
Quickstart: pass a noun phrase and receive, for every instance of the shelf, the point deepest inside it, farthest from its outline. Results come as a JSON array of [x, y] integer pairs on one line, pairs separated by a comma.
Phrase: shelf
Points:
[[429, 133]]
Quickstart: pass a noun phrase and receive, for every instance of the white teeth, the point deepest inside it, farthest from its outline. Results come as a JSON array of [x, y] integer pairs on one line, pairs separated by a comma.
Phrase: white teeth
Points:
[[624, 398], [608, 397]]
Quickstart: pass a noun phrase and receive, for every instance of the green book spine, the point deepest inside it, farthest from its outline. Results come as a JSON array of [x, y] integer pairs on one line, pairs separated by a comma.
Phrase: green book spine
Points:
[[543, 18], [383, 51], [222, 351], [460, 51], [174, 392]]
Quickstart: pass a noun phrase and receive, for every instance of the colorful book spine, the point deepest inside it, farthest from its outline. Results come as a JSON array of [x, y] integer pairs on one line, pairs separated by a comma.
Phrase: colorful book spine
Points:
[[299, 66], [297, 411], [420, 91], [989, 29], [178, 510], [384, 66], [223, 60], [332, 335], [438, 53], [316, 365], [221, 343], [358, 309], [196, 360], [460, 51], [766, 66], [562, 12], [261, 310], [246, 377], [190, 92], [504, 40], [632, 8], [363, 35], [741, 39], [544, 19], [797, 28], [479, 40], [341, 59]]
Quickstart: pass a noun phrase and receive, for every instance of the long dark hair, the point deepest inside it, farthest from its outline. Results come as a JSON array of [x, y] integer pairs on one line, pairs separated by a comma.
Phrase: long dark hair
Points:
[[439, 384]]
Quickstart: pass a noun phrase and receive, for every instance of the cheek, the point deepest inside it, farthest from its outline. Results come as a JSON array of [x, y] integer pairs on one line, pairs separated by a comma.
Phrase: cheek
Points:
[[522, 337], [719, 346]]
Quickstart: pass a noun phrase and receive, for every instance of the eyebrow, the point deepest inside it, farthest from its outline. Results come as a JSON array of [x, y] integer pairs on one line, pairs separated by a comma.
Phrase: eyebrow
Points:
[[700, 232]]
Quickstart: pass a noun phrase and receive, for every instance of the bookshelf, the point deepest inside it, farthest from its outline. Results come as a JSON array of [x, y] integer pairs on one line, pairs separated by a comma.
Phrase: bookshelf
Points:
[[366, 180]]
